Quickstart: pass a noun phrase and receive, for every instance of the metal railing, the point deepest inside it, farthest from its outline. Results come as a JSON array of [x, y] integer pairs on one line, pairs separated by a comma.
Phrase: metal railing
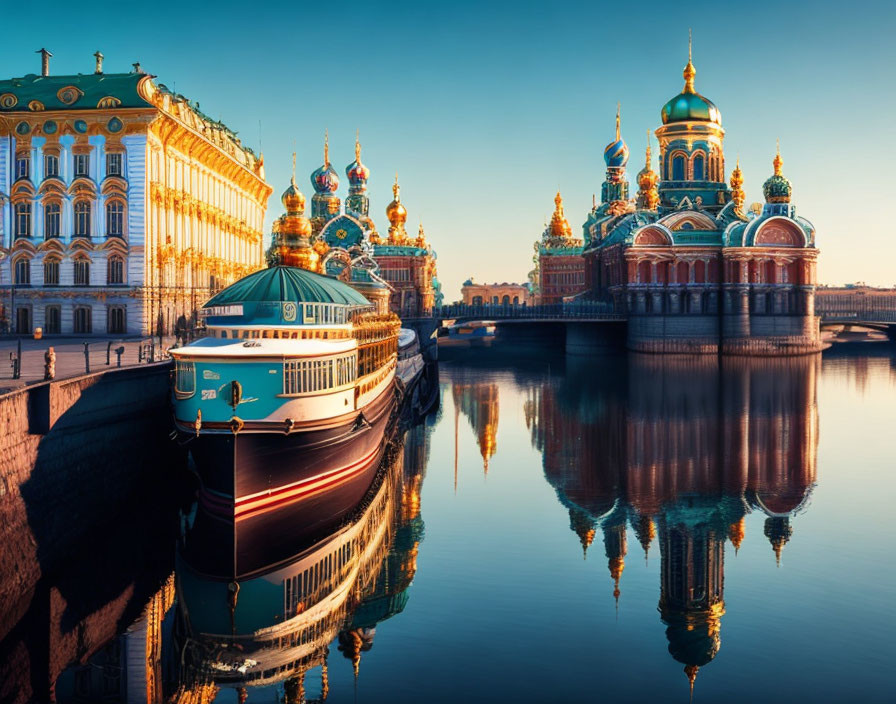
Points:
[[48, 358], [557, 311]]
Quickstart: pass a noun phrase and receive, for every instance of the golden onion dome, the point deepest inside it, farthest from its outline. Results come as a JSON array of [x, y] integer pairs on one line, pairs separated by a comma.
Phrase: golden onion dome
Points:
[[293, 199], [559, 226], [395, 211]]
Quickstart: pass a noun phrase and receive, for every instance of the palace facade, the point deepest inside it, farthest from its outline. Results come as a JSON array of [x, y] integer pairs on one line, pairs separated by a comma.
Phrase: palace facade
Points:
[[692, 269], [122, 206], [396, 272], [495, 294], [560, 266]]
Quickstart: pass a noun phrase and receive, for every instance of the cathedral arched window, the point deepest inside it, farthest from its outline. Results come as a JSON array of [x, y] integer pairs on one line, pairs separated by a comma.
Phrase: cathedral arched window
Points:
[[82, 218], [51, 272], [699, 167], [678, 173], [82, 272]]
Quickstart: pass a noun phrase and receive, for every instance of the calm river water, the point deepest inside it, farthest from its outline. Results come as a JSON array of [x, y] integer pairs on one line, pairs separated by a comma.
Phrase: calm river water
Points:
[[617, 529]]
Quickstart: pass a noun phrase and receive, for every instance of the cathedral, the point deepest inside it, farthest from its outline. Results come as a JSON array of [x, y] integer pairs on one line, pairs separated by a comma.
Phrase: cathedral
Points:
[[693, 270], [560, 269], [396, 272]]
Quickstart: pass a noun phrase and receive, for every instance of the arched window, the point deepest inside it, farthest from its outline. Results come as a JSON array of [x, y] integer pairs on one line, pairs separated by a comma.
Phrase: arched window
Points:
[[23, 165], [115, 270], [53, 320], [115, 218], [477, 300], [699, 167], [516, 300], [52, 213], [505, 300], [82, 272], [82, 218], [678, 167], [494, 299], [23, 271], [51, 272], [23, 219]]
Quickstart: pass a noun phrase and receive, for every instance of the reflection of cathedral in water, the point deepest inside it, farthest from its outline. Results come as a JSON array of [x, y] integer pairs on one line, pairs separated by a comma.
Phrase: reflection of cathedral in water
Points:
[[682, 453], [478, 401], [277, 626]]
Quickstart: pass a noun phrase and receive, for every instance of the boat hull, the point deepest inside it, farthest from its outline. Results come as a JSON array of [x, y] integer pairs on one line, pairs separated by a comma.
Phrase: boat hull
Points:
[[262, 493]]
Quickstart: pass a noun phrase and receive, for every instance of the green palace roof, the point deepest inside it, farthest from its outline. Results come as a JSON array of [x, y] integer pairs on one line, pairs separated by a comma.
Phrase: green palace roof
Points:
[[287, 283], [91, 89]]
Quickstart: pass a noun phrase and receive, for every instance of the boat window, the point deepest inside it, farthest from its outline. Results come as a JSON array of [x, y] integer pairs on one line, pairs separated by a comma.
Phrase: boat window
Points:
[[184, 379]]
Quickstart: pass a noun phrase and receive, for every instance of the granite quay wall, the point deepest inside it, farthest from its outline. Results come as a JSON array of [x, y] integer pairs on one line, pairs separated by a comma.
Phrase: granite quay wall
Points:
[[72, 453]]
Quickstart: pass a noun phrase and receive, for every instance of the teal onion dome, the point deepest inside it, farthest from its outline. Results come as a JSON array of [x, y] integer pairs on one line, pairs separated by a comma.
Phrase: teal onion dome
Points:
[[777, 189], [688, 107]]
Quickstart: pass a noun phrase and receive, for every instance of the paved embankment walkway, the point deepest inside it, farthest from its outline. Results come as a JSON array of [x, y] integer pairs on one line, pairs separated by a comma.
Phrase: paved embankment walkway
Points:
[[70, 358]]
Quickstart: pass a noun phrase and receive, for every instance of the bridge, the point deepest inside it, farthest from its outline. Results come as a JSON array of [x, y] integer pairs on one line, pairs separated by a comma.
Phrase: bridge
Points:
[[585, 311]]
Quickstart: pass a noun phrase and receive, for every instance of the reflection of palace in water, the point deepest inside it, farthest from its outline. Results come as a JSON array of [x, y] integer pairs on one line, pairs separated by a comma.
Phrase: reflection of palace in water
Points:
[[682, 453], [276, 626]]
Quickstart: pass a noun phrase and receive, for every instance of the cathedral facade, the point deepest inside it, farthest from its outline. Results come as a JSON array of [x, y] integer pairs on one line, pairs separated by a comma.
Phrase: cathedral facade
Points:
[[560, 268], [122, 206], [689, 266], [396, 272]]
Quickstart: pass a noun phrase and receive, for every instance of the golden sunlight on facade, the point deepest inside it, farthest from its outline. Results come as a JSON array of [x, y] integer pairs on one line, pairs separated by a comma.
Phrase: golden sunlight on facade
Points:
[[123, 206]]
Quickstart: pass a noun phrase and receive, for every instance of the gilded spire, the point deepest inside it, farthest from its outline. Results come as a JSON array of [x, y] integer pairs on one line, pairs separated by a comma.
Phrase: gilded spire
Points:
[[358, 146], [396, 189], [736, 532], [737, 191], [778, 162], [327, 148], [689, 70], [618, 115], [293, 179], [648, 195]]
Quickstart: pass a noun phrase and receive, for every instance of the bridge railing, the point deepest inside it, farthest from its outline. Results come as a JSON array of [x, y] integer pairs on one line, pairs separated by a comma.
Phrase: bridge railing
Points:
[[556, 311], [866, 316]]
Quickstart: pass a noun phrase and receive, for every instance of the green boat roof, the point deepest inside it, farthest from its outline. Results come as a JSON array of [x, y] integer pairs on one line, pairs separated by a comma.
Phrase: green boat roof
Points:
[[93, 88], [288, 283]]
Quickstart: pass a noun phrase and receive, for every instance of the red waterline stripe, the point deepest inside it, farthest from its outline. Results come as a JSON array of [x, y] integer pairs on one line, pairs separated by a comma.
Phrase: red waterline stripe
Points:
[[304, 486]]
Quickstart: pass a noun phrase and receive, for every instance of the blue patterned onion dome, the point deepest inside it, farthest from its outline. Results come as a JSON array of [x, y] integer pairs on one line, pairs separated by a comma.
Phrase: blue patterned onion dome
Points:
[[616, 153], [325, 179]]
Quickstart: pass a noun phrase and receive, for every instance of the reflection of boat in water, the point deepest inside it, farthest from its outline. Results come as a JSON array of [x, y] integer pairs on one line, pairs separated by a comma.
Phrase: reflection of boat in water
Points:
[[279, 622], [476, 333], [285, 404]]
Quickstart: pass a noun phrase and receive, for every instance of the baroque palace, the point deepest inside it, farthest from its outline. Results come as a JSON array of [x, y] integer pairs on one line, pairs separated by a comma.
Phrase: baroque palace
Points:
[[692, 269], [396, 272], [123, 206]]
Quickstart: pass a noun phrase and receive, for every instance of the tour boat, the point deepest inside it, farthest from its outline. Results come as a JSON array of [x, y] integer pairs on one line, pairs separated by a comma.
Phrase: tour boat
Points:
[[285, 401], [479, 332]]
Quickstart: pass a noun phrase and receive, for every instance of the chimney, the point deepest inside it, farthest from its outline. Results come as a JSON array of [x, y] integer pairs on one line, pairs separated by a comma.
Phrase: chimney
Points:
[[44, 61], [99, 62]]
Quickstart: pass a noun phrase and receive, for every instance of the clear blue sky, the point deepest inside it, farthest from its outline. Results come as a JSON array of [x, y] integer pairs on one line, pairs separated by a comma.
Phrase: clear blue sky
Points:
[[486, 109]]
